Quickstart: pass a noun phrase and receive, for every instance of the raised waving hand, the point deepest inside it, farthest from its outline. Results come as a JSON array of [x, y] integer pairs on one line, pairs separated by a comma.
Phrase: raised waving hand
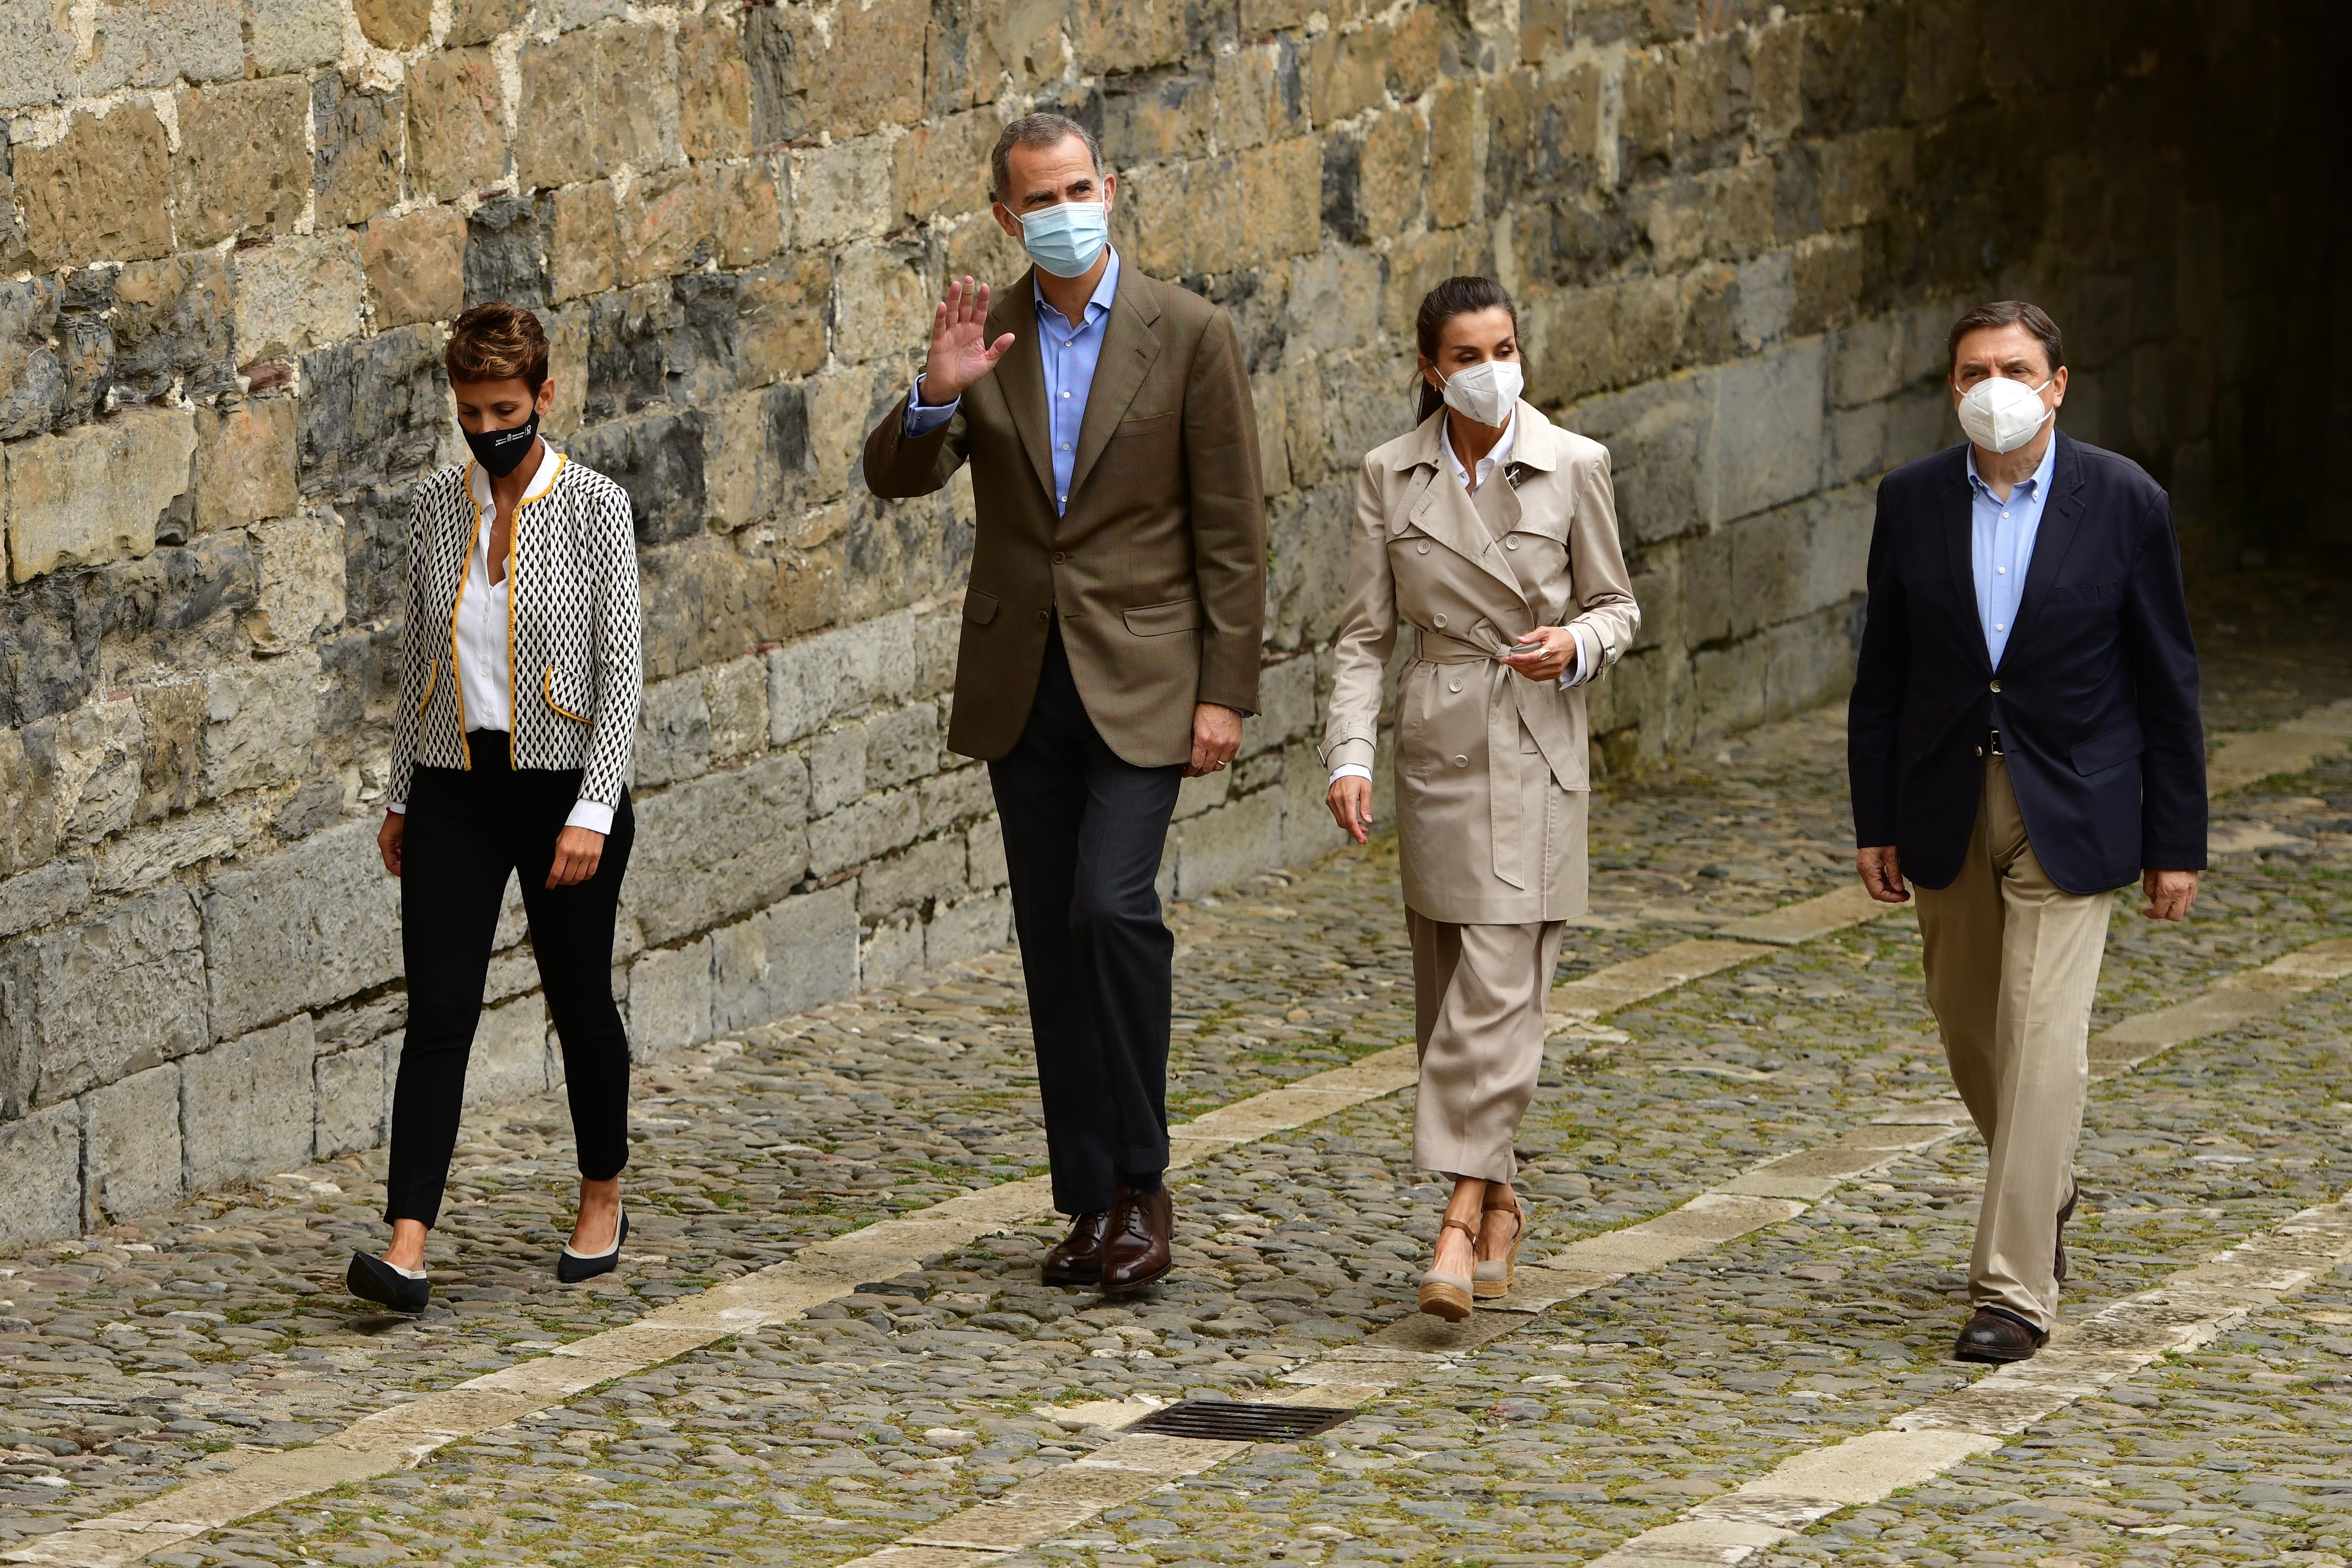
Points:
[[960, 352]]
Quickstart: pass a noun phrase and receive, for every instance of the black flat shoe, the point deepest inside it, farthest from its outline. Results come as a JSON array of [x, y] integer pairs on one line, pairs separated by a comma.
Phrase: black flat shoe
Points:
[[1993, 1335], [572, 1268], [373, 1280]]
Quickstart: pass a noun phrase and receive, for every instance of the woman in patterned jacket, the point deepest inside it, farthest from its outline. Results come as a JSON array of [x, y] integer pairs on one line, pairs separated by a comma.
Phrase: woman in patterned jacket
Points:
[[519, 696]]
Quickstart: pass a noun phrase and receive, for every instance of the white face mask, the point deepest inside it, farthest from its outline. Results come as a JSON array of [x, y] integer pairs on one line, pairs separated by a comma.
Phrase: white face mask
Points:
[[2001, 415], [1486, 392]]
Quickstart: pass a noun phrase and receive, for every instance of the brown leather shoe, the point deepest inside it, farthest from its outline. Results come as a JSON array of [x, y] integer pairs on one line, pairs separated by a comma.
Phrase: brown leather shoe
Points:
[[1077, 1257], [1994, 1335], [2064, 1214], [1139, 1247]]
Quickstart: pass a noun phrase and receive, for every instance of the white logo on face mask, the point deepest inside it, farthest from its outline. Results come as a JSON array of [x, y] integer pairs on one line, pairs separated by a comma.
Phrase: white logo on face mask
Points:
[[2001, 415], [1486, 392]]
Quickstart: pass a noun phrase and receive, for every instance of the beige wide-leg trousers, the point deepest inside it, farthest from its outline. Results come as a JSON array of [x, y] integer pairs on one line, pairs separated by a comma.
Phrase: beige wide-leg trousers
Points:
[[1478, 1014], [2013, 965]]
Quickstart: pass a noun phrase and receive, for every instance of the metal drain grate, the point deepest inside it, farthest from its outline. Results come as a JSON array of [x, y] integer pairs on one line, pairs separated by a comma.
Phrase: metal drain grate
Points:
[[1231, 1421]]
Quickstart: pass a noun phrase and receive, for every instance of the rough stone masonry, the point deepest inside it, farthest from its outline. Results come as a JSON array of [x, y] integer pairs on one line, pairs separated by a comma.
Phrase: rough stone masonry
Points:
[[231, 235]]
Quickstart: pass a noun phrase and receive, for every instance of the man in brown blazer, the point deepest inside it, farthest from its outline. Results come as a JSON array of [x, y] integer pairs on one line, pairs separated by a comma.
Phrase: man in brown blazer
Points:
[[1110, 643]]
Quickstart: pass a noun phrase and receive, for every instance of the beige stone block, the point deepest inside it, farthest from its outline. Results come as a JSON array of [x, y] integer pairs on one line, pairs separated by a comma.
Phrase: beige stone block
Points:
[[881, 302], [1389, 182], [1862, 175], [101, 191], [300, 567], [714, 89], [750, 214], [94, 493], [1129, 37], [415, 265], [567, 366], [873, 75], [583, 251], [556, 135], [780, 330], [297, 293], [1414, 50], [245, 463], [284, 35], [666, 225], [1252, 107], [978, 247], [456, 123], [358, 137], [942, 167], [1456, 154], [1831, 273], [395, 24], [1347, 73], [480, 21], [260, 721], [242, 167], [843, 192]]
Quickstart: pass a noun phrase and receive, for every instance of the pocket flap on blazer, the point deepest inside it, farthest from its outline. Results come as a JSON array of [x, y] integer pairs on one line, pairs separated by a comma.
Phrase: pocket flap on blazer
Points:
[[570, 693], [1149, 424], [1158, 620], [979, 608], [2120, 744]]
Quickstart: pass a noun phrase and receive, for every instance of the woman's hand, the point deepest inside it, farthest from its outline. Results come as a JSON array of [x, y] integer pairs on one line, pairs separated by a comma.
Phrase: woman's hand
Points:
[[1544, 653], [387, 840], [1350, 800], [577, 852]]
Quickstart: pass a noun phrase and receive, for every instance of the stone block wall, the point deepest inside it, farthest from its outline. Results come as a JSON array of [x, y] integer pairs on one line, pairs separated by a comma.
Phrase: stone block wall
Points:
[[231, 236]]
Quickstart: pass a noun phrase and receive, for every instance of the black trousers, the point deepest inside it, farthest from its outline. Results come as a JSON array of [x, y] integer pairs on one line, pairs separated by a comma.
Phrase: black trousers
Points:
[[467, 831], [1083, 835]]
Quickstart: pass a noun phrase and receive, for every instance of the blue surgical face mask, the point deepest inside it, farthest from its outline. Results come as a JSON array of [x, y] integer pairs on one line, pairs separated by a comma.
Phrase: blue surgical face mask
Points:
[[1067, 240]]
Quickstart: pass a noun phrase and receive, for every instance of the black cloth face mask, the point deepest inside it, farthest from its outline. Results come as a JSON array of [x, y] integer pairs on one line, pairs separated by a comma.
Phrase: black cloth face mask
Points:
[[500, 450]]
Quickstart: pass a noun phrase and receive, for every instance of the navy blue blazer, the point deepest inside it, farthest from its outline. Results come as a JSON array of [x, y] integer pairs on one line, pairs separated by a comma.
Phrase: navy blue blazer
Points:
[[2096, 696]]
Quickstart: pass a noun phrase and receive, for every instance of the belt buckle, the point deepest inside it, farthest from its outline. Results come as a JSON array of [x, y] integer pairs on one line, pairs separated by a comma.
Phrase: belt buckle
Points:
[[1992, 743]]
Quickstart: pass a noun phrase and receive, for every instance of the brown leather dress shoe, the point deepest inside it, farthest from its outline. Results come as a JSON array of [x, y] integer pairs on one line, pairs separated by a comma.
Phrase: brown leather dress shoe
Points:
[[1139, 1247], [1077, 1257], [1993, 1335], [2064, 1214]]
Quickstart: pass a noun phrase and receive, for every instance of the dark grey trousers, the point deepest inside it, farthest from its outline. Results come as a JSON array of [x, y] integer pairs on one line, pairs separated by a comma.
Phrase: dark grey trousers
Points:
[[1083, 835]]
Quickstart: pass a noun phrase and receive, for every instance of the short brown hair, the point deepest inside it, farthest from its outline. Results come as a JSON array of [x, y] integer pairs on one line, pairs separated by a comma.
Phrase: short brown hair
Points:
[[2005, 313], [497, 342], [1043, 128]]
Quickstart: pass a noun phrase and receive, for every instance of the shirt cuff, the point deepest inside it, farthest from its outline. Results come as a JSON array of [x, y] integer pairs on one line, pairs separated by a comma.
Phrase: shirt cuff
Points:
[[1574, 675], [922, 418], [1351, 771], [397, 807], [594, 815]]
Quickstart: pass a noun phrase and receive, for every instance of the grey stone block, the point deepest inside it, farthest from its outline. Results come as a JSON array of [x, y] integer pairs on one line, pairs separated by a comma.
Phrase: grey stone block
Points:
[[44, 896], [42, 1155], [955, 797], [1768, 445], [100, 1001], [670, 998], [786, 958], [352, 1097], [984, 856], [902, 747], [131, 1160], [863, 830], [511, 974], [308, 926], [981, 923], [835, 673], [1287, 709], [509, 1059], [1219, 849], [718, 848], [836, 763], [246, 1105], [890, 953], [737, 699], [674, 731], [932, 869]]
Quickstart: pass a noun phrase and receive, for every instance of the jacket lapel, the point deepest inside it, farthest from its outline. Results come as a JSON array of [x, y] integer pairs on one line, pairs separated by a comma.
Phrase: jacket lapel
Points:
[[1130, 346], [2061, 511], [1446, 513], [1956, 519], [1021, 375]]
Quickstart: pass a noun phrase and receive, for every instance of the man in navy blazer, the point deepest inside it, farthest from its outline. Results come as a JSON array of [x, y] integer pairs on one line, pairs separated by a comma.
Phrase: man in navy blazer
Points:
[[2023, 739]]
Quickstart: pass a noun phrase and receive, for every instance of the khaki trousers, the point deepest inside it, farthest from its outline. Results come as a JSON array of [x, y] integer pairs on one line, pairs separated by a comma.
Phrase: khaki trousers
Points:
[[1478, 1016], [2013, 965]]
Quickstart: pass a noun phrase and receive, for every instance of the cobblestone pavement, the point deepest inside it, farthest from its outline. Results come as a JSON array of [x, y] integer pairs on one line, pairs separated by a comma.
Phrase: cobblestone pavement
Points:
[[158, 1353]]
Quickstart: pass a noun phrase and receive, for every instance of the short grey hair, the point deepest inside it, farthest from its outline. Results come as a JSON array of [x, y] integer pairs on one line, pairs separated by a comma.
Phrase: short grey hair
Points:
[[1045, 128]]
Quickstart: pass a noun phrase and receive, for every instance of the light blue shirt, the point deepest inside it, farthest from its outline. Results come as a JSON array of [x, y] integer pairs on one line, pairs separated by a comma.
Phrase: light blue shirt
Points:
[[1070, 353], [2000, 545]]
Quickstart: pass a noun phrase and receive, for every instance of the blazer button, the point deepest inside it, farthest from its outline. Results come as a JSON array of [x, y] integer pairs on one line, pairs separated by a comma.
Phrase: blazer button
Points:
[[1044, 615], [1422, 547], [1980, 751], [1453, 686], [1437, 621], [1059, 557], [1996, 686], [1461, 762]]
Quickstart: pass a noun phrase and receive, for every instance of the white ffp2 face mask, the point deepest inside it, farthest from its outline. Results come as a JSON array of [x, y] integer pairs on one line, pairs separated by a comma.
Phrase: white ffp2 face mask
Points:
[[1486, 392], [2001, 415]]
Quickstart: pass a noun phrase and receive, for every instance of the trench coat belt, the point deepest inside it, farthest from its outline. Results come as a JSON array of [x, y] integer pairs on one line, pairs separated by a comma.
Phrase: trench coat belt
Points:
[[1511, 700]]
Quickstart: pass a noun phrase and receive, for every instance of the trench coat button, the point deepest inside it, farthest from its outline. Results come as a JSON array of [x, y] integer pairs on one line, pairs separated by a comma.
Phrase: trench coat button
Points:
[[1996, 686], [1439, 622], [1461, 762], [1453, 686], [1510, 544], [1422, 547], [1044, 615]]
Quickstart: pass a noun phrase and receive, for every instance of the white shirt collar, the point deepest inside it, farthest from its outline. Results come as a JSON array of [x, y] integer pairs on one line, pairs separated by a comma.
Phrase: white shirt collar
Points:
[[478, 477], [1495, 459]]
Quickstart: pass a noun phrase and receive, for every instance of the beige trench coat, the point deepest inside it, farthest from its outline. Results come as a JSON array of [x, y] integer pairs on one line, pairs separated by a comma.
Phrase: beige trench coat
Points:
[[1491, 769]]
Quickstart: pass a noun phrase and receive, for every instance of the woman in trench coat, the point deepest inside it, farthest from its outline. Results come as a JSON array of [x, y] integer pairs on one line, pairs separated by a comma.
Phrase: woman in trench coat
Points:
[[1488, 536]]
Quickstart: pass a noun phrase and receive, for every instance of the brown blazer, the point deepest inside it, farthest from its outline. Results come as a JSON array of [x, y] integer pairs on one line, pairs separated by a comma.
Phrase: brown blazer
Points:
[[1492, 773], [1157, 568]]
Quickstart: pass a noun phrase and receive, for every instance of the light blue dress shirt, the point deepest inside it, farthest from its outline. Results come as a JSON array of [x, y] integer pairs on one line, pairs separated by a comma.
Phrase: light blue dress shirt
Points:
[[1070, 353], [2000, 545]]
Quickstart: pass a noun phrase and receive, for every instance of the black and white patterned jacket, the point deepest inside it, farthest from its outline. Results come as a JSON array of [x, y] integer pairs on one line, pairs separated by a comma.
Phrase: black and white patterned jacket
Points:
[[574, 634]]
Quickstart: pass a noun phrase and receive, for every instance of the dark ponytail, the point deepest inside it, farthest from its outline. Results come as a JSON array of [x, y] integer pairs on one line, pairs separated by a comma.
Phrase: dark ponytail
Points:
[[1454, 296]]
